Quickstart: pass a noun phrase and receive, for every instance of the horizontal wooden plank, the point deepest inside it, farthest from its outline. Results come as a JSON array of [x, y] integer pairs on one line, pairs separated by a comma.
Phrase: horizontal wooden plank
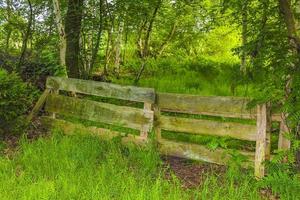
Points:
[[100, 112], [232, 107], [201, 153], [102, 89], [208, 127], [216, 106], [70, 128]]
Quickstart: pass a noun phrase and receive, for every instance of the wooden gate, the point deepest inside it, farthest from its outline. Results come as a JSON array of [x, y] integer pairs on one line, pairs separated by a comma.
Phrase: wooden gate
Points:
[[153, 115]]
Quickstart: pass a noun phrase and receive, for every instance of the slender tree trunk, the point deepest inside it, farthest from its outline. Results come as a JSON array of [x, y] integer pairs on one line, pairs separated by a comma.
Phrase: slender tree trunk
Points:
[[145, 46], [244, 35], [72, 30], [61, 32], [98, 40], [107, 52], [118, 46], [7, 40], [287, 13], [125, 44], [167, 40], [291, 25], [9, 31], [27, 35]]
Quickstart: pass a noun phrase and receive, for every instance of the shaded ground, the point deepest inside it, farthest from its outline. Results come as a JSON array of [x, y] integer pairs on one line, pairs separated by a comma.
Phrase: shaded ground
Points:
[[191, 174]]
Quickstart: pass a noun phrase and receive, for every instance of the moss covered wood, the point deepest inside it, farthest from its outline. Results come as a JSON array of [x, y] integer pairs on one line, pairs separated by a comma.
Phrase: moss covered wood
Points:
[[208, 127], [70, 128], [232, 107], [261, 140], [39, 104], [199, 152], [102, 89], [215, 106], [283, 142], [147, 109], [100, 112]]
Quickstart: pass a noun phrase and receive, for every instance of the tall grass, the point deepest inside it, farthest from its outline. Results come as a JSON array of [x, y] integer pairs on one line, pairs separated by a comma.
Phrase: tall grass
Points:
[[190, 83], [76, 167], [84, 167]]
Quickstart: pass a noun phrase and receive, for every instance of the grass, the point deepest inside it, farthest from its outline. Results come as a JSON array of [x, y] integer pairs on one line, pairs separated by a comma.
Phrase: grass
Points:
[[84, 167], [189, 83], [76, 167]]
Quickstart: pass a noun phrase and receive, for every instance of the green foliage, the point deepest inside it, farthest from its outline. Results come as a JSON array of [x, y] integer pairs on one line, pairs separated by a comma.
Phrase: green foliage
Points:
[[16, 97], [78, 166], [72, 167], [278, 181]]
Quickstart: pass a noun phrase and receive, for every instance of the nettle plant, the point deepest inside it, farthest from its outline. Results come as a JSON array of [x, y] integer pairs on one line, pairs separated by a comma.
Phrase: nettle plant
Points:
[[16, 97]]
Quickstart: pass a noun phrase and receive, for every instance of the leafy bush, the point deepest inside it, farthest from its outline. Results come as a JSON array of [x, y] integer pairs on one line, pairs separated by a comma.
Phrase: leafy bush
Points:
[[16, 97]]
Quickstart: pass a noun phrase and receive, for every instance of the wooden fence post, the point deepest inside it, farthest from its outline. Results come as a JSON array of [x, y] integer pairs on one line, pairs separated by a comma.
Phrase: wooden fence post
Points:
[[145, 129], [262, 140], [54, 91], [283, 142], [268, 131], [157, 128]]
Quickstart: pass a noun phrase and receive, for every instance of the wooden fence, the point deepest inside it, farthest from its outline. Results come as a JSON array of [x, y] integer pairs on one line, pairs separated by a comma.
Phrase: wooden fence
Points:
[[152, 116]]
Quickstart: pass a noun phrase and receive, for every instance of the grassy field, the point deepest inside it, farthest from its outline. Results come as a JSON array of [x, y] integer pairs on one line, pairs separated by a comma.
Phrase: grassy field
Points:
[[84, 167], [191, 83], [80, 166]]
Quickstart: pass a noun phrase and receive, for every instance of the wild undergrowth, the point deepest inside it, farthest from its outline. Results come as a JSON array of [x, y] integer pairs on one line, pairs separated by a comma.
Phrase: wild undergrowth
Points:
[[84, 167]]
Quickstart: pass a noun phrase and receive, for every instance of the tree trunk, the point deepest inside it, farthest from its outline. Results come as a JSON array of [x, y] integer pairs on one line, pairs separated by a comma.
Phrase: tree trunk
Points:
[[61, 33], [144, 45], [72, 30], [9, 31], [288, 16], [98, 40], [244, 35], [167, 40], [26, 36], [289, 19], [118, 48]]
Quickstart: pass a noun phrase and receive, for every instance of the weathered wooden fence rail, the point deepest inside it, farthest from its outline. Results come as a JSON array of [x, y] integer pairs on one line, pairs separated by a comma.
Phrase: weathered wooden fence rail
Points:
[[152, 116]]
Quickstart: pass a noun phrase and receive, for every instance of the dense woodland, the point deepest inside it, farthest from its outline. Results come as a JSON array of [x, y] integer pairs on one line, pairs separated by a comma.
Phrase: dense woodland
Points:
[[248, 48]]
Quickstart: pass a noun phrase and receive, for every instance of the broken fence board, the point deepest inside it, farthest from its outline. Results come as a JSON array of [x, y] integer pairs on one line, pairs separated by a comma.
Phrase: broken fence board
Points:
[[208, 127], [199, 152], [102, 89], [100, 112]]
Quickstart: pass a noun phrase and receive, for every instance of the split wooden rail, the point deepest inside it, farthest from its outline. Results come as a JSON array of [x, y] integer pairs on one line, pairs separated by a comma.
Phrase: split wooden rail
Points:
[[152, 115]]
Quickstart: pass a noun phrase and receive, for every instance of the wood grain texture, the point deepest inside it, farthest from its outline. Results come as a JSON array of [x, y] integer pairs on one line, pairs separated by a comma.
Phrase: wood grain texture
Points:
[[157, 128], [100, 112], [70, 128], [38, 105], [208, 127], [261, 141], [147, 110], [215, 106], [102, 89], [283, 142], [198, 152]]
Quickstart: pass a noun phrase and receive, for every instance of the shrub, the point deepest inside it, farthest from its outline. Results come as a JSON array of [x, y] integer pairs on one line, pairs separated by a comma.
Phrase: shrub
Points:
[[16, 97]]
